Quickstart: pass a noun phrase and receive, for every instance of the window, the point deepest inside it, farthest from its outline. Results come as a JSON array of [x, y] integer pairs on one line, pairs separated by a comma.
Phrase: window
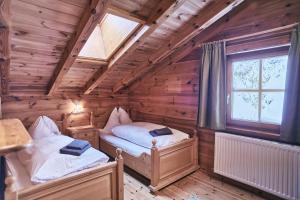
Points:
[[256, 86], [108, 36]]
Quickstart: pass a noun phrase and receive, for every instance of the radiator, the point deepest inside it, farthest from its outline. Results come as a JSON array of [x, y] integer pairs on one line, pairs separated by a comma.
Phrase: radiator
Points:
[[266, 165]]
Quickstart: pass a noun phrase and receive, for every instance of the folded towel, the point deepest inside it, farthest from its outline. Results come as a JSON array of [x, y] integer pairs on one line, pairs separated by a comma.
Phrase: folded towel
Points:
[[74, 152], [159, 132], [78, 144]]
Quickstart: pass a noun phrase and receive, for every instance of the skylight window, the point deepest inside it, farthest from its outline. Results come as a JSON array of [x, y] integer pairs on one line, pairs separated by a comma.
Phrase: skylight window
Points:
[[108, 36]]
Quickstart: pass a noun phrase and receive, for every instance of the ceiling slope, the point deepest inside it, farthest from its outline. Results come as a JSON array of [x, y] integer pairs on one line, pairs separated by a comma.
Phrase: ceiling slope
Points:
[[92, 15], [161, 13], [41, 38], [252, 18], [212, 13], [40, 31]]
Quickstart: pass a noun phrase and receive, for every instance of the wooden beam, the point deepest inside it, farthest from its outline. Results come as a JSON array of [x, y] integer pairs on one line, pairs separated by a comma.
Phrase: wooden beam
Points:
[[125, 14], [5, 19], [212, 13], [92, 60], [161, 13], [93, 14]]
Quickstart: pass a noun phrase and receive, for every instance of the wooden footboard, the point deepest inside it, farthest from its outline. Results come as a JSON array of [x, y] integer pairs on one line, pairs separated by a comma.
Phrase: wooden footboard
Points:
[[166, 165], [171, 163], [140, 164], [103, 182]]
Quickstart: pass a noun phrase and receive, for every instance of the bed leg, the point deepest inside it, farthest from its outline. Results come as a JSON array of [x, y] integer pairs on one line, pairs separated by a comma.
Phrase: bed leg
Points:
[[154, 164], [120, 175], [10, 193], [195, 137]]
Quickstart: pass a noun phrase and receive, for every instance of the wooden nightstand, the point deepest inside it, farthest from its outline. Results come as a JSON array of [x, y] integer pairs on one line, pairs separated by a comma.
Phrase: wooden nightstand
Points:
[[88, 133], [80, 126]]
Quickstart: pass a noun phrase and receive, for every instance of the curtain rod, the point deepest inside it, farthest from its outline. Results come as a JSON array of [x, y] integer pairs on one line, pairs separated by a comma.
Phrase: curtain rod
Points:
[[254, 34]]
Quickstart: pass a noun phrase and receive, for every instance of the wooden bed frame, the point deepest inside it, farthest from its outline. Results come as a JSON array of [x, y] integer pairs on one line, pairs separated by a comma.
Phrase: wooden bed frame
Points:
[[102, 182], [166, 164]]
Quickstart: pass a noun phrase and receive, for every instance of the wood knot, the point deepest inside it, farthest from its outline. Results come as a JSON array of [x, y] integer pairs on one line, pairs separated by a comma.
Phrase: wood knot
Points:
[[288, 5], [93, 11]]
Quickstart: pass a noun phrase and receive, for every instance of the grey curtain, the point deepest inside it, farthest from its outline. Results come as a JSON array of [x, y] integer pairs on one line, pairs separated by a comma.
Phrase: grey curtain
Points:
[[212, 87], [290, 126]]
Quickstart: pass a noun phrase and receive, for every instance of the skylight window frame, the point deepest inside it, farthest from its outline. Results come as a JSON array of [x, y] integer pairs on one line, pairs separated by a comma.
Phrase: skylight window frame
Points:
[[126, 15]]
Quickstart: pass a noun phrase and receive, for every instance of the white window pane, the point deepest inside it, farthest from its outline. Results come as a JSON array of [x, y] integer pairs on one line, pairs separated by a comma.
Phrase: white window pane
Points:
[[115, 30], [271, 107], [245, 74], [274, 72], [245, 106]]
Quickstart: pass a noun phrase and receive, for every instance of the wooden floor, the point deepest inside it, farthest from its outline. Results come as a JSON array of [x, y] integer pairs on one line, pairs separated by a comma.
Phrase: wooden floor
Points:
[[197, 186]]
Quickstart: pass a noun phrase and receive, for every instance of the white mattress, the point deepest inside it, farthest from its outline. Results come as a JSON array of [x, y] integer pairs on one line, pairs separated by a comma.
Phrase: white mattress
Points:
[[43, 162], [126, 146], [138, 133]]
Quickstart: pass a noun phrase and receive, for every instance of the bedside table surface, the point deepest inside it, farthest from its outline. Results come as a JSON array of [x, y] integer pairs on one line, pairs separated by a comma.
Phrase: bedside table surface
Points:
[[81, 127], [13, 135]]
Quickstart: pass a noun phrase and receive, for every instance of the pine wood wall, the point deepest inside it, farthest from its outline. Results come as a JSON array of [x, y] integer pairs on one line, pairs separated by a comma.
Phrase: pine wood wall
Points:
[[28, 108]]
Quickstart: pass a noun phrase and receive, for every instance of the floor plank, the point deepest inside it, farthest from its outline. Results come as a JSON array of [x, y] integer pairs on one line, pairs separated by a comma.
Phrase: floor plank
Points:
[[197, 184]]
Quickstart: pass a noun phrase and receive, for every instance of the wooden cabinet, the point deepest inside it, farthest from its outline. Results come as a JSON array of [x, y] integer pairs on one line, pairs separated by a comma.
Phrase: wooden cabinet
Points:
[[80, 126], [88, 133]]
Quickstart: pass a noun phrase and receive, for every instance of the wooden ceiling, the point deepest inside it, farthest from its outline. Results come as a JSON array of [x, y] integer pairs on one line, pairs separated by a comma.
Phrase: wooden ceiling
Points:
[[46, 37], [40, 32]]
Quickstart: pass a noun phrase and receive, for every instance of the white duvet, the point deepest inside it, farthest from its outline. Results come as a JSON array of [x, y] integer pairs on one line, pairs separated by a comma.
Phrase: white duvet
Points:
[[44, 162], [138, 133]]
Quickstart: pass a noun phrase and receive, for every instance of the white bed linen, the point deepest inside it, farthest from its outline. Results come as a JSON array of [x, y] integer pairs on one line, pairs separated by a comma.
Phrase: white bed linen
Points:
[[43, 161], [126, 146], [138, 133]]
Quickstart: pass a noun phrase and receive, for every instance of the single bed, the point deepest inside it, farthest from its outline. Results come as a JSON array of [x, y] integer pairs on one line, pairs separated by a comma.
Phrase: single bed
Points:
[[162, 164], [41, 172]]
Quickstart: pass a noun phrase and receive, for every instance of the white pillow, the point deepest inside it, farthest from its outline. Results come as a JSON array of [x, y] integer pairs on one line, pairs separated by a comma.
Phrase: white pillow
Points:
[[39, 129], [113, 120], [51, 125], [124, 117], [43, 127]]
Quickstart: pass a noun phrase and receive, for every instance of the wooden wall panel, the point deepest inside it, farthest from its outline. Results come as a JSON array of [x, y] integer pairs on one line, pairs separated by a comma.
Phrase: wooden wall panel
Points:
[[27, 109]]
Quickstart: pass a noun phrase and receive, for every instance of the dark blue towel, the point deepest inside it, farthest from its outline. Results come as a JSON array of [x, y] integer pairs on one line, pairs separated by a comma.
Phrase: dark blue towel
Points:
[[159, 132], [78, 144], [74, 152]]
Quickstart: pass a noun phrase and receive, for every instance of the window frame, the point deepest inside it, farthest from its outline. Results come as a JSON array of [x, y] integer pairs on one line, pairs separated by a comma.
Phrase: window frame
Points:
[[248, 127]]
